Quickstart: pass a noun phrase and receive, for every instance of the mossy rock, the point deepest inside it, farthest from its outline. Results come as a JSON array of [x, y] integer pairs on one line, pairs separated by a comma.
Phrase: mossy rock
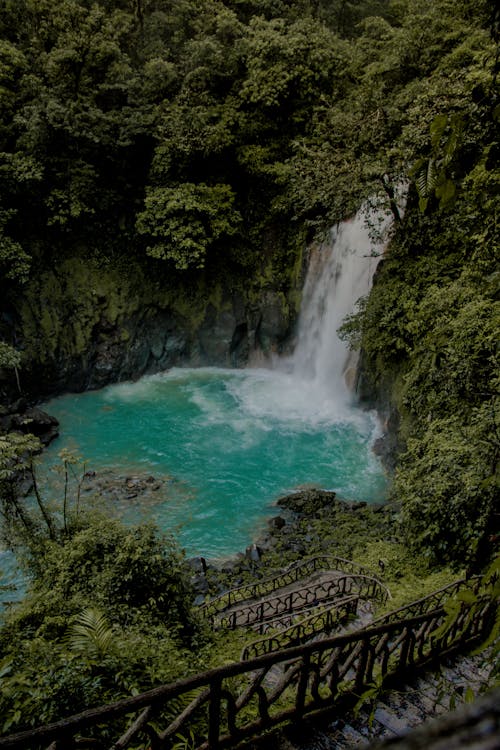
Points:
[[308, 501]]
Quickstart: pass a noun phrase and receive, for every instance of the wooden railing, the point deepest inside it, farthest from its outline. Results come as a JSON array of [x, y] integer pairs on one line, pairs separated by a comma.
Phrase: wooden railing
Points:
[[300, 599], [294, 573], [324, 621], [225, 705], [419, 606]]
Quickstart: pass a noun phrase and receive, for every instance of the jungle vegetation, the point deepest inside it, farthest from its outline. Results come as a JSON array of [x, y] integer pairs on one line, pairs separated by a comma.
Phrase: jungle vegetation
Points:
[[177, 134]]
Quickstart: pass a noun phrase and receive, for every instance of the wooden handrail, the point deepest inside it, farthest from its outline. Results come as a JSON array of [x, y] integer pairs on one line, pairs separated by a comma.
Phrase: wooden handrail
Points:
[[307, 596], [238, 701], [421, 605], [292, 574], [323, 621]]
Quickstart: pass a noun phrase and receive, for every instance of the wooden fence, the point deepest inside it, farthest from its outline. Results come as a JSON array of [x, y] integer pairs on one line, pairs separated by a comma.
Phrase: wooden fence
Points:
[[319, 592], [324, 621], [294, 573], [225, 705]]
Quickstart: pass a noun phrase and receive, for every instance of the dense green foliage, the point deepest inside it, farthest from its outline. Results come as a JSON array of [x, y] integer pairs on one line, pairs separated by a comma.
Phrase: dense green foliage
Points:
[[195, 139], [107, 611], [155, 126], [430, 326]]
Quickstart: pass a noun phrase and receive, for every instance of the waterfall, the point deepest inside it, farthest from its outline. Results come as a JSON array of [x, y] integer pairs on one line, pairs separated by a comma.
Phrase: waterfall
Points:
[[340, 272]]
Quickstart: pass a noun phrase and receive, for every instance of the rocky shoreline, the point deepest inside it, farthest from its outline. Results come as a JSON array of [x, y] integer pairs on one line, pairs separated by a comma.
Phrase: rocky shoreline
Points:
[[21, 417], [311, 521]]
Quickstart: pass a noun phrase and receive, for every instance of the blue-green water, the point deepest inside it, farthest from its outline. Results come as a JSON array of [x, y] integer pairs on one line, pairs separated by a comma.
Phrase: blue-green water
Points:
[[230, 442]]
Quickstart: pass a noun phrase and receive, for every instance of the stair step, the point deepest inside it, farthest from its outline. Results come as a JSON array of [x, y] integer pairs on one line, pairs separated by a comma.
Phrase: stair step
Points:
[[468, 673], [389, 719], [407, 705], [352, 737]]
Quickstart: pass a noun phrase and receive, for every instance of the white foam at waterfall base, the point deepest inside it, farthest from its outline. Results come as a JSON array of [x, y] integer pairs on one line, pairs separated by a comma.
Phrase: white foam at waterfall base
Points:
[[290, 400]]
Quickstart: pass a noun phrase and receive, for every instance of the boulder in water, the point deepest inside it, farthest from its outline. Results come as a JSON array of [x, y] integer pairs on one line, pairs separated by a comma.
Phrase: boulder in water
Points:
[[115, 487]]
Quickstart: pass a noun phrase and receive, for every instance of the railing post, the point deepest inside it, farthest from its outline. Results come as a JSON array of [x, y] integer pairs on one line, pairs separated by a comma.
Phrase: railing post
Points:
[[214, 707], [359, 680], [405, 649], [302, 686]]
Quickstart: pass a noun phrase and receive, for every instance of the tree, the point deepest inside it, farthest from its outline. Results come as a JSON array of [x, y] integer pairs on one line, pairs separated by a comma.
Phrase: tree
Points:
[[447, 485], [107, 614], [10, 358], [21, 525], [184, 222]]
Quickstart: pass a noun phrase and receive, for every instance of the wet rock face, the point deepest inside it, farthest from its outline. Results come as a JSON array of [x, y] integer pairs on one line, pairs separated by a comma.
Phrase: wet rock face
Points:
[[150, 339], [135, 346]]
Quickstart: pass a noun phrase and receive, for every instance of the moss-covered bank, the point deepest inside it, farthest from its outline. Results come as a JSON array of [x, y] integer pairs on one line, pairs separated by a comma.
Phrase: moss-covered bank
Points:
[[82, 322]]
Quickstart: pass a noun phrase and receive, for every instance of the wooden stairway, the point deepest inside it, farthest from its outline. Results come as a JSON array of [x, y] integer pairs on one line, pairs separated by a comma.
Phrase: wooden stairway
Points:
[[324, 677], [390, 714]]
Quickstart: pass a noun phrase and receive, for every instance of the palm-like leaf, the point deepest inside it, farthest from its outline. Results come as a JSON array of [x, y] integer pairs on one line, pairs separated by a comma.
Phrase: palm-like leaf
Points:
[[91, 633]]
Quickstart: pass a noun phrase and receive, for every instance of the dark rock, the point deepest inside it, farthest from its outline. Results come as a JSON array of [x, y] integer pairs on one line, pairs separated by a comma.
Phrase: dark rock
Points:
[[112, 338], [200, 584], [357, 505], [273, 325], [215, 336], [108, 484], [199, 600], [19, 406], [38, 423], [276, 523], [198, 565], [378, 507], [253, 553], [307, 502]]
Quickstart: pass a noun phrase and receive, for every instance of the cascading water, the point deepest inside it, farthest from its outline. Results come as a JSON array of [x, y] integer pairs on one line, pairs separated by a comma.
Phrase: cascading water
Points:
[[340, 272], [227, 443]]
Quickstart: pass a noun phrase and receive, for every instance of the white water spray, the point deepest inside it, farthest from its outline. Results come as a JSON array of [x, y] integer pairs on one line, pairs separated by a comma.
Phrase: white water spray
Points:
[[340, 272]]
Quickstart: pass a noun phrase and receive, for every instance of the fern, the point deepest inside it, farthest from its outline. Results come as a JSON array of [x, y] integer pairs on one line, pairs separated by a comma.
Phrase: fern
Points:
[[91, 633]]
